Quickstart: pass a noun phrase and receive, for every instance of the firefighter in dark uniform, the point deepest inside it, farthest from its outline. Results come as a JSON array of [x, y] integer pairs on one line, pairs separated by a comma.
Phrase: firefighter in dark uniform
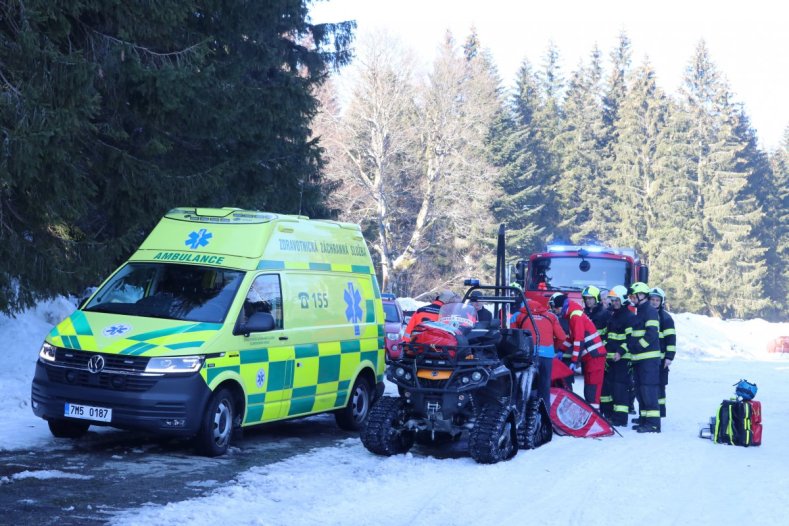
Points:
[[614, 403], [595, 309], [644, 346], [668, 343]]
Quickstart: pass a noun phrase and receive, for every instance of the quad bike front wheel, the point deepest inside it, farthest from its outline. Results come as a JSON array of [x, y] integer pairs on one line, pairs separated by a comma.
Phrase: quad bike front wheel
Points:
[[493, 438], [384, 433]]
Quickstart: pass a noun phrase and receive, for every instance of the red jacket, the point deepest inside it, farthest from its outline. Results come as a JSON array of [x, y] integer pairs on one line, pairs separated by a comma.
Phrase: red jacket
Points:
[[551, 332], [584, 340], [426, 313]]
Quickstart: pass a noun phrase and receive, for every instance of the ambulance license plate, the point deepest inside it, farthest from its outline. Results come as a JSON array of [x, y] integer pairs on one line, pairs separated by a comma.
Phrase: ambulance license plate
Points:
[[86, 412]]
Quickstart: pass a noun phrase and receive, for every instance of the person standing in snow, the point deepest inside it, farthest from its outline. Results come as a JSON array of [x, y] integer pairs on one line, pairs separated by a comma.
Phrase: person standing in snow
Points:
[[644, 346], [555, 304], [595, 310], [586, 346], [614, 402], [551, 336], [668, 343]]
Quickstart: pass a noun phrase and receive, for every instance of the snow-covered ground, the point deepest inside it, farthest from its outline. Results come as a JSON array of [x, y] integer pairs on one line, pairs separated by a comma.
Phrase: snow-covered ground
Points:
[[668, 478]]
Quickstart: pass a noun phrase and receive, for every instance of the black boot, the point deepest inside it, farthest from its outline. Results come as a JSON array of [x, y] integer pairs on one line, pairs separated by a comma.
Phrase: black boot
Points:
[[646, 428]]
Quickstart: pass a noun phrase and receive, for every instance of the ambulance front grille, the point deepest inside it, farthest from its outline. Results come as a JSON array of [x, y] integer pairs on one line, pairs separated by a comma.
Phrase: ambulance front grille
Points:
[[114, 362], [116, 382], [120, 373]]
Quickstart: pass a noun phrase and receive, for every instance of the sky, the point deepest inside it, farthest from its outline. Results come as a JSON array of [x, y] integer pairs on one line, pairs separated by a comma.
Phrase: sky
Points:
[[747, 41]]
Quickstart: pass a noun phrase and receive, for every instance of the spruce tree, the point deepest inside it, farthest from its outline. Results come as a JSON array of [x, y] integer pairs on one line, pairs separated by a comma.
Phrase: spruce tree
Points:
[[517, 149], [115, 112], [632, 176], [728, 273], [774, 196], [583, 189]]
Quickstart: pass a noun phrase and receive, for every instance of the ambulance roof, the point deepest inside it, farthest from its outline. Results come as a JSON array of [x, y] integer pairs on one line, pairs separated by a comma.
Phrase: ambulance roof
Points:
[[250, 239]]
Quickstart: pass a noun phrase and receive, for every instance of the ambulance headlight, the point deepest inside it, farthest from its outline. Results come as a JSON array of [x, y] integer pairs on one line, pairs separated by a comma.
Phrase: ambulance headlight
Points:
[[174, 364], [47, 352]]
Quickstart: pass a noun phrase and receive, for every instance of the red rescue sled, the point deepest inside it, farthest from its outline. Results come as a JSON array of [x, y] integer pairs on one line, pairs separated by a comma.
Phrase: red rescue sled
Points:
[[571, 415]]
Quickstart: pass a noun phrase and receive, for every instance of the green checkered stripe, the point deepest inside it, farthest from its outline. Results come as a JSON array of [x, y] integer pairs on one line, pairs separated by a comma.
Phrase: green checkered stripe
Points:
[[317, 380], [276, 264]]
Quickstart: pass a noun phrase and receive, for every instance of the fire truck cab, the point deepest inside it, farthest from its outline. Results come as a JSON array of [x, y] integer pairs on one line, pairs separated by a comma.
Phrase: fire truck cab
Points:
[[571, 268]]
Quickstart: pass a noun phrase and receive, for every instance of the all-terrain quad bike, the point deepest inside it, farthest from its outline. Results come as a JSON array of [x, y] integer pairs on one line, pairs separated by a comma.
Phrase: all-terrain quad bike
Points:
[[459, 376]]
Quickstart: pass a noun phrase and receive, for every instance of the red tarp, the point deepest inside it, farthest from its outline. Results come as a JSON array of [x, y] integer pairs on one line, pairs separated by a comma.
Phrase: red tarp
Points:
[[571, 415]]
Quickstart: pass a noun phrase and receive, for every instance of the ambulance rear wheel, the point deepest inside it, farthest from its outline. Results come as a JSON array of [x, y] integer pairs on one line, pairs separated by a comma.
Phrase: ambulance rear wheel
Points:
[[67, 428], [213, 439], [354, 415]]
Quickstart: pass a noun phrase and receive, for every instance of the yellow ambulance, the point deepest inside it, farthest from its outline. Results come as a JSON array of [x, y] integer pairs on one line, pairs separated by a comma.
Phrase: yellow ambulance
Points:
[[223, 318]]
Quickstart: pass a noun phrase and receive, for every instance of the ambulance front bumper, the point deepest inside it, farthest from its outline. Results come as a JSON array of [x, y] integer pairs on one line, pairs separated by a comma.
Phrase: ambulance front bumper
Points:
[[172, 405]]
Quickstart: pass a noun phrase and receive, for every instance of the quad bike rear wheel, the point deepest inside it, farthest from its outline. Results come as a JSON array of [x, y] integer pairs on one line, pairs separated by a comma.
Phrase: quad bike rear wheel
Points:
[[536, 430], [493, 438], [384, 433]]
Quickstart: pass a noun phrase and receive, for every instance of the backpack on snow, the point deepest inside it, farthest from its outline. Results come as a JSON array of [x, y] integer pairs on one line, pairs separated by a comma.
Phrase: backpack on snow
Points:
[[737, 422]]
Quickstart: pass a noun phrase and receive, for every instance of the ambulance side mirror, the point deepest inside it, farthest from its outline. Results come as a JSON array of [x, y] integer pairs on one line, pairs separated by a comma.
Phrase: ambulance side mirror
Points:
[[257, 322]]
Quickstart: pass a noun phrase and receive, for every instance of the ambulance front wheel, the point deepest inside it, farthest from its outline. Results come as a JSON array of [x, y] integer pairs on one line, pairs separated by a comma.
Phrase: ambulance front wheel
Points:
[[353, 415], [216, 429]]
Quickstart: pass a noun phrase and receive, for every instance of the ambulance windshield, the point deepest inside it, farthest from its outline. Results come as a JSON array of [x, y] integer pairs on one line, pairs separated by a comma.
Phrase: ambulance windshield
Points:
[[169, 290]]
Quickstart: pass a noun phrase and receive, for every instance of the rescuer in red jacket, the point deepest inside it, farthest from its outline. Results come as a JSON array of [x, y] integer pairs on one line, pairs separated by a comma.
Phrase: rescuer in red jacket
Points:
[[428, 312], [551, 337], [586, 345]]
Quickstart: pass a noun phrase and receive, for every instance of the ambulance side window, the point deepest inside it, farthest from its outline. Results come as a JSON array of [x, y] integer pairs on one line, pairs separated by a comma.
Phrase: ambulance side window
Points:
[[264, 296]]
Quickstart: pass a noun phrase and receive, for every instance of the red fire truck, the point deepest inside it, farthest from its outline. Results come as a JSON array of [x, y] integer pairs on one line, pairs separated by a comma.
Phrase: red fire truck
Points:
[[571, 268]]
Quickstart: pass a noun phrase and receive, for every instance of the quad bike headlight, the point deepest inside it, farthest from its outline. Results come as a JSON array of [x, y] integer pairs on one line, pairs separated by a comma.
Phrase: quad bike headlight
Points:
[[476, 376], [399, 372]]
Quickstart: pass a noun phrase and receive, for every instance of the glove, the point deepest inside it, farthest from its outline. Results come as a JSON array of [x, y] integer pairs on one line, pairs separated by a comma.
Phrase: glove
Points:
[[668, 362], [573, 367], [560, 355]]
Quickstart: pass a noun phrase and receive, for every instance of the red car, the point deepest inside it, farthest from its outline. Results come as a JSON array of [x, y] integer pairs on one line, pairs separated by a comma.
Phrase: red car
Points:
[[393, 326]]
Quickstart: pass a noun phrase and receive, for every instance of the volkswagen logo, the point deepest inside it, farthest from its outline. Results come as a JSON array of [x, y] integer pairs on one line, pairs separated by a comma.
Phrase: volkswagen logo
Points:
[[434, 373], [96, 363]]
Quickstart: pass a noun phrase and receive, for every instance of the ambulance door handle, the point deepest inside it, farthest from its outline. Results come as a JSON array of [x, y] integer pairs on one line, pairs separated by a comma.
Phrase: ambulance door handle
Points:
[[283, 337]]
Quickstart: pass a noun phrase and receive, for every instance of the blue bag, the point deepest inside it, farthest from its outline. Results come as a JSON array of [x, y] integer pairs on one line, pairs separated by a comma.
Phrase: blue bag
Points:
[[745, 390]]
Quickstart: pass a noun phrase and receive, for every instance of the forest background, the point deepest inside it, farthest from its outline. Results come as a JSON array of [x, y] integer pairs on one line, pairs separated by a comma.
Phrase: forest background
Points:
[[112, 113]]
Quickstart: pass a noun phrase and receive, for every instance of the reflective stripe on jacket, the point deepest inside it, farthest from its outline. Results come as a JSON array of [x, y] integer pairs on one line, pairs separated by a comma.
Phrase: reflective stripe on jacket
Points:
[[426, 313], [644, 343], [620, 327], [583, 338], [668, 335]]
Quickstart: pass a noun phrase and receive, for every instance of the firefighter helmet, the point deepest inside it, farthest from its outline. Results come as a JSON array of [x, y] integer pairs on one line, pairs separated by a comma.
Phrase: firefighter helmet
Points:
[[639, 287], [657, 291], [619, 292], [591, 292], [557, 300]]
